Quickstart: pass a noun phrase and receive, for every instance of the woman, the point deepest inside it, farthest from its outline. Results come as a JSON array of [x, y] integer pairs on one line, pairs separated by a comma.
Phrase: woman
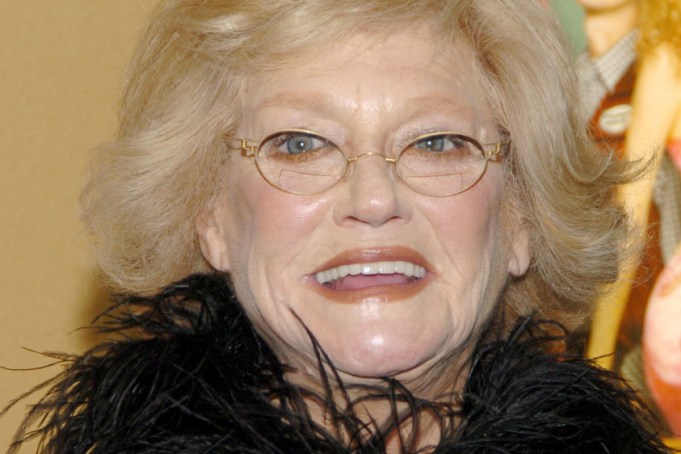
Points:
[[375, 194], [652, 123]]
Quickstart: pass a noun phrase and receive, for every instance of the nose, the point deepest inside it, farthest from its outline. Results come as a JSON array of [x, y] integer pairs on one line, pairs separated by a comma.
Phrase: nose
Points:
[[370, 193]]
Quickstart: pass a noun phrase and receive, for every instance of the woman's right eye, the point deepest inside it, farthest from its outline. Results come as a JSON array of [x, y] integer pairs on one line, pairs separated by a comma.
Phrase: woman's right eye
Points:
[[297, 143]]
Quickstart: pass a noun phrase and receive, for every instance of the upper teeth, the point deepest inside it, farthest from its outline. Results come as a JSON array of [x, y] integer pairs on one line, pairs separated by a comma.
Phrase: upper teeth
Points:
[[400, 267]]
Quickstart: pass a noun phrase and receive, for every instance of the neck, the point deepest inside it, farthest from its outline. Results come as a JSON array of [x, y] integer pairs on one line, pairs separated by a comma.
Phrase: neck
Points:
[[402, 429], [377, 404], [604, 27]]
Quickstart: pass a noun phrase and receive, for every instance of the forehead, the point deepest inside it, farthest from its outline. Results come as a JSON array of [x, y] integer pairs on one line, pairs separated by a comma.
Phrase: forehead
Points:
[[414, 70]]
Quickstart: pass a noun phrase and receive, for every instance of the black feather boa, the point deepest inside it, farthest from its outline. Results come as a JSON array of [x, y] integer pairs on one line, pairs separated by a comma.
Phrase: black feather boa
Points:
[[190, 375]]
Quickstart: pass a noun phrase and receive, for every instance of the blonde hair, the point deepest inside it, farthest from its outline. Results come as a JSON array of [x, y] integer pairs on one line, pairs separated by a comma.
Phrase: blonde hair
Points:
[[184, 93], [659, 22]]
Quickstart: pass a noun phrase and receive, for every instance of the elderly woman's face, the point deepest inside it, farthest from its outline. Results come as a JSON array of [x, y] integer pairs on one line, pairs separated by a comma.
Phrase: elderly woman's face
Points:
[[446, 256]]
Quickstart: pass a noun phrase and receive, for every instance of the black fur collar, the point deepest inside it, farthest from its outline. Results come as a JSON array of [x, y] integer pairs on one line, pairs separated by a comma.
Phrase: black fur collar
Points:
[[191, 376]]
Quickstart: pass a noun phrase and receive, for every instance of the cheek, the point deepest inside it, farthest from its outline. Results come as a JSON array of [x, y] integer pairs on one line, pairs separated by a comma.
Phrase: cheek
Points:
[[474, 266], [264, 223], [469, 226], [281, 226], [269, 230]]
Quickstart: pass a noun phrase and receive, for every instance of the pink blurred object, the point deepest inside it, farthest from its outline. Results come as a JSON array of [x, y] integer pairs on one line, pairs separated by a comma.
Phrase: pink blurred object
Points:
[[674, 150], [662, 343]]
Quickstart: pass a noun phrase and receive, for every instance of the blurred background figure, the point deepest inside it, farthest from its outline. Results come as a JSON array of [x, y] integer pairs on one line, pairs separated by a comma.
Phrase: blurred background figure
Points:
[[655, 127], [630, 80]]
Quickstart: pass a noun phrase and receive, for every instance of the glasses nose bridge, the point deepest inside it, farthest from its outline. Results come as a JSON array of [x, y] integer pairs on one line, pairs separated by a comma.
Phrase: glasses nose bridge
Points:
[[392, 169], [386, 158], [388, 175]]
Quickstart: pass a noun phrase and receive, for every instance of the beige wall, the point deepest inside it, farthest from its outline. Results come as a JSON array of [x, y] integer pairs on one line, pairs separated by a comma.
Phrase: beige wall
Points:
[[61, 72]]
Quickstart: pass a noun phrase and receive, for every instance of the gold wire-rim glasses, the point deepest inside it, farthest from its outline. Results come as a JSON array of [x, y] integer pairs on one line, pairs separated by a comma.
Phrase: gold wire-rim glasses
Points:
[[488, 152]]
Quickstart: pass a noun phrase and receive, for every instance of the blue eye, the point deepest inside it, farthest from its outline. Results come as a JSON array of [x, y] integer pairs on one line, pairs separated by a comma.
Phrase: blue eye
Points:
[[296, 145], [436, 143], [299, 144], [446, 143]]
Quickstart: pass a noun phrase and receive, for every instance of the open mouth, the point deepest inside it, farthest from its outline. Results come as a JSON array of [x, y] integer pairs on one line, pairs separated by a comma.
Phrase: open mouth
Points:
[[391, 273], [358, 276]]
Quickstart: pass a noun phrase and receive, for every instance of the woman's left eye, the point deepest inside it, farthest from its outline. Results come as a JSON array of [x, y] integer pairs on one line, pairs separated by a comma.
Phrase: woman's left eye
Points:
[[443, 142], [445, 145], [437, 143]]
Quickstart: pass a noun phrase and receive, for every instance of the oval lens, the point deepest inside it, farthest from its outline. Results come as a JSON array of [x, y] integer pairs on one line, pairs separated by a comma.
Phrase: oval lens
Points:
[[300, 162], [442, 164]]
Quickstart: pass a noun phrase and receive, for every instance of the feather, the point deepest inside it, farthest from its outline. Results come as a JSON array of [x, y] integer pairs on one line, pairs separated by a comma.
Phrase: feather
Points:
[[188, 373]]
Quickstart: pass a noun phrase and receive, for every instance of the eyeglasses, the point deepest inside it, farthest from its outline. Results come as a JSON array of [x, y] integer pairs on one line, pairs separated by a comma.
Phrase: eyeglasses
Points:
[[437, 164]]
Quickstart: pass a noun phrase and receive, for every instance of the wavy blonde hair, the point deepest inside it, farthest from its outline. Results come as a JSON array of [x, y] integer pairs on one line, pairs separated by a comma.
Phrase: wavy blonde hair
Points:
[[659, 22], [184, 93]]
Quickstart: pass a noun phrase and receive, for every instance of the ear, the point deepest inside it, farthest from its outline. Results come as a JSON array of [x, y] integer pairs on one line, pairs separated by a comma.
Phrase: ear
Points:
[[519, 251], [212, 240]]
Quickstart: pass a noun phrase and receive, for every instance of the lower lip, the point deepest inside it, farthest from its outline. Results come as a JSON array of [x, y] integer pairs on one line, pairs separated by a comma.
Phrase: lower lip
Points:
[[383, 293]]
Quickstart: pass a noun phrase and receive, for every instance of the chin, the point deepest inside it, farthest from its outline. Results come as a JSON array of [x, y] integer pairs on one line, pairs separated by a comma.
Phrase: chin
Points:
[[382, 358]]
